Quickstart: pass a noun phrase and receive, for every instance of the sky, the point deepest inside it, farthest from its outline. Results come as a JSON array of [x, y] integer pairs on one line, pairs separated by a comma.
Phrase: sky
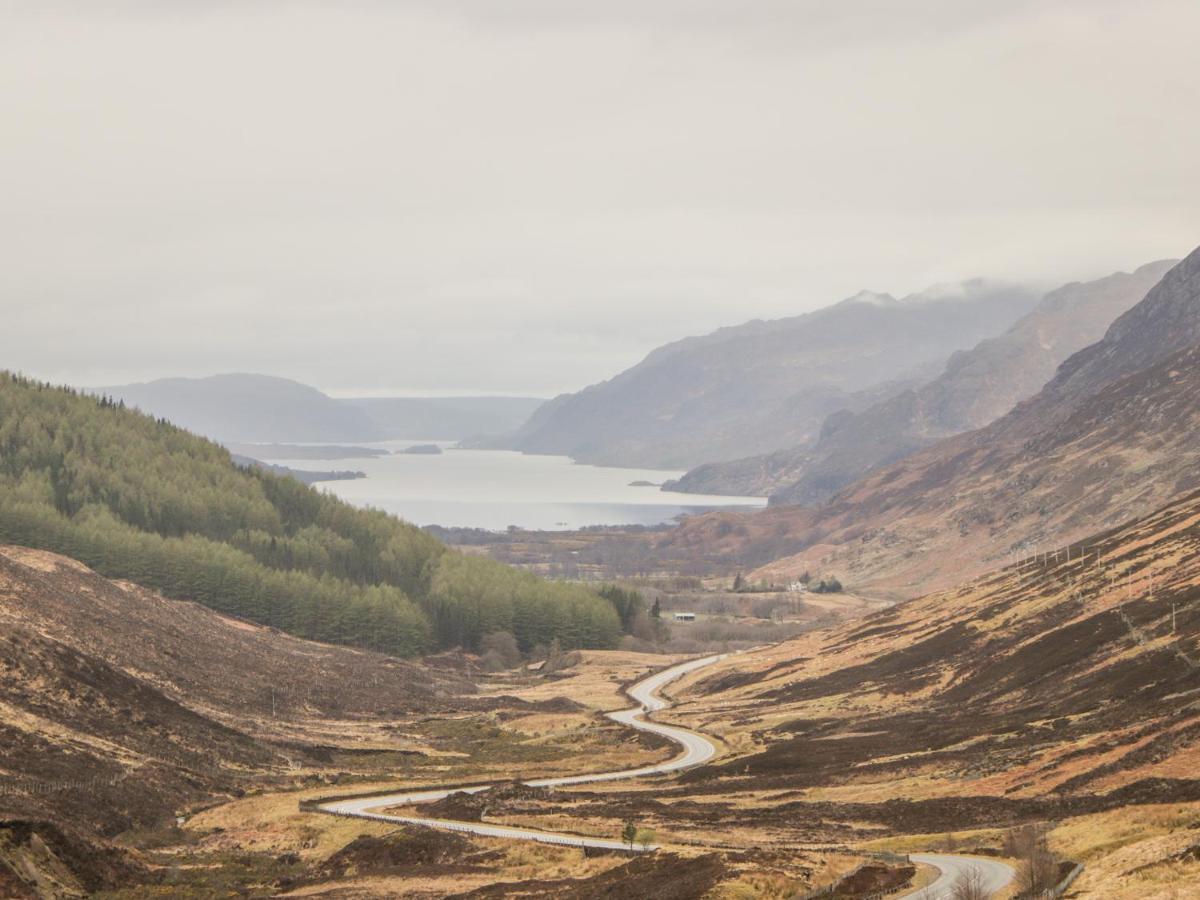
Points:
[[524, 197]]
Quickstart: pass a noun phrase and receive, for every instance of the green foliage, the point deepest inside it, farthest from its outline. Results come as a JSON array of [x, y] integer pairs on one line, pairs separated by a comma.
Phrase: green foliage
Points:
[[472, 596], [827, 586], [629, 833], [137, 498], [627, 603]]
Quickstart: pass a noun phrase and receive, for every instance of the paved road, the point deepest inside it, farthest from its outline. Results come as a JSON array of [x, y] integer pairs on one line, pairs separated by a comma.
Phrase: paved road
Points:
[[696, 750], [996, 875]]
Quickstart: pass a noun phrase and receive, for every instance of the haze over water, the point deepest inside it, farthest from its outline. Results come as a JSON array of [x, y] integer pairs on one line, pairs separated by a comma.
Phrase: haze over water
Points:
[[494, 489]]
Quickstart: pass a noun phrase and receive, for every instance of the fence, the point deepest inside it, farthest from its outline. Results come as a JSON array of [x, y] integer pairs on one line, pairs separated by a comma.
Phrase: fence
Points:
[[1061, 888]]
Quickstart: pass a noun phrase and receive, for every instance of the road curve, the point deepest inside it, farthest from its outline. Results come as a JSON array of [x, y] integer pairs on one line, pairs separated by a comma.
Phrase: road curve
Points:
[[697, 749], [995, 875]]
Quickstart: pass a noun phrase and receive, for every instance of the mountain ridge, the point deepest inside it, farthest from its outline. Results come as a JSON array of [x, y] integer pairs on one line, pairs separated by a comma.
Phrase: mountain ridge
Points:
[[976, 387], [1075, 458], [765, 384]]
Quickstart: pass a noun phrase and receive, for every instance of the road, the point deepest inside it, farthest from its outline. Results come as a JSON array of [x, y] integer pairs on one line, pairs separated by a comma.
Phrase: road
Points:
[[696, 749], [996, 875]]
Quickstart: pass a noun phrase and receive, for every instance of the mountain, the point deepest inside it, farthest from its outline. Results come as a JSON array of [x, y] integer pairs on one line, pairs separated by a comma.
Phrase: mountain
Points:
[[977, 387], [250, 408], [141, 499], [446, 418], [1114, 434], [765, 386]]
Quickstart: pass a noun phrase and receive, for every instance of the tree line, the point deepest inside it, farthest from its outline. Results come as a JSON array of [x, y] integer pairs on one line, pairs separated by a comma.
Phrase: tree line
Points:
[[137, 498]]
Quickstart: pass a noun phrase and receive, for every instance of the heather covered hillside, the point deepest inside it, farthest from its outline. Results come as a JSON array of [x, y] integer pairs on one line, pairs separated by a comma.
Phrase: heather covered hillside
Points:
[[140, 499], [1057, 692], [108, 685]]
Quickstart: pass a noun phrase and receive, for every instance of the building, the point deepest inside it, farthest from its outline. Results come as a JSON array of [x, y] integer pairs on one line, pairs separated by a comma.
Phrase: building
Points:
[[685, 617]]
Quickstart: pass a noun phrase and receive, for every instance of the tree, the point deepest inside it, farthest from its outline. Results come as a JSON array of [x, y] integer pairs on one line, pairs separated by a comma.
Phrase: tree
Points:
[[969, 885], [1037, 866], [629, 833], [499, 651], [645, 837], [627, 603], [656, 610], [137, 498], [739, 582]]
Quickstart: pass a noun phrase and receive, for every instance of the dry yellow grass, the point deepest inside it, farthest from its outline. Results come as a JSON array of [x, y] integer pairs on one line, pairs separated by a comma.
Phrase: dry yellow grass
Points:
[[595, 681], [1129, 853]]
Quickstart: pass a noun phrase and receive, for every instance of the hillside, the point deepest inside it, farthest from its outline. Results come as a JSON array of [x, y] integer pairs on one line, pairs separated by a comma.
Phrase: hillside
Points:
[[1061, 686], [977, 387], [1111, 436], [446, 418], [140, 499], [250, 408], [107, 686], [767, 385], [1069, 651], [121, 710]]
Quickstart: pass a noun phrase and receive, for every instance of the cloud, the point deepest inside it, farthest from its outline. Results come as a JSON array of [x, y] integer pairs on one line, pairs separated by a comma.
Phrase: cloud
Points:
[[529, 195]]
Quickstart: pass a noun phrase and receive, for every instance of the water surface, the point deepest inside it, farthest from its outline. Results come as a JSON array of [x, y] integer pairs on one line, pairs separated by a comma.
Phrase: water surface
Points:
[[496, 488]]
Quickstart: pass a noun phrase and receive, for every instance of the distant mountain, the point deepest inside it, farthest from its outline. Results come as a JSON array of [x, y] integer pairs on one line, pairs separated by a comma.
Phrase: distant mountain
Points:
[[258, 409], [1115, 434], [446, 418], [251, 408], [976, 387], [764, 386]]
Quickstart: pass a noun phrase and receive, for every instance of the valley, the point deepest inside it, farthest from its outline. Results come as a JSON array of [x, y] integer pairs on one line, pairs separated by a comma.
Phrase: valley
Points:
[[599, 451]]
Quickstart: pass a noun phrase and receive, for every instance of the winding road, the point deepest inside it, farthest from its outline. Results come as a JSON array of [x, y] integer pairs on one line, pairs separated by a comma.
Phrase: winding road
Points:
[[994, 876], [696, 749]]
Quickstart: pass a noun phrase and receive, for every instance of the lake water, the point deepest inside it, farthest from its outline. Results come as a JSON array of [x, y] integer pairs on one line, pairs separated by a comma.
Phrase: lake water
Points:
[[494, 489]]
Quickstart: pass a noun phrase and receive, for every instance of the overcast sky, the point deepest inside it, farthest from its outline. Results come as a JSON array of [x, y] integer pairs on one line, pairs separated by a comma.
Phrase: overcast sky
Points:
[[525, 196]]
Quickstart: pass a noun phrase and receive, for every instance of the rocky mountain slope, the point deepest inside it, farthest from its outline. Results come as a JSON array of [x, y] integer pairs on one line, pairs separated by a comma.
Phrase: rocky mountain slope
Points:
[[768, 385], [977, 386], [1110, 437]]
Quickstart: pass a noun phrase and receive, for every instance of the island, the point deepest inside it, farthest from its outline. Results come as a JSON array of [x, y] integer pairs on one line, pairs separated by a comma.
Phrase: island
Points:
[[304, 451], [301, 475], [422, 449], [643, 484]]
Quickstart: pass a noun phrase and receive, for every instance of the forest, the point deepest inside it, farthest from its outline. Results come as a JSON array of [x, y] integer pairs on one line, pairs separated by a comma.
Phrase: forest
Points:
[[140, 499]]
